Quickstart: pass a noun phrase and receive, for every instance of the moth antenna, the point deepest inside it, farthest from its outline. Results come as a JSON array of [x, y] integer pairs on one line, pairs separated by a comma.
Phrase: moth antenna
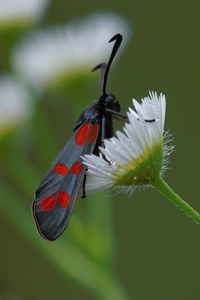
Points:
[[101, 66], [118, 39], [106, 67]]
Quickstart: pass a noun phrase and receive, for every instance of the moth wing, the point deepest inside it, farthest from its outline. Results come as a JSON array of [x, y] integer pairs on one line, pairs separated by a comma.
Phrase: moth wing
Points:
[[57, 193]]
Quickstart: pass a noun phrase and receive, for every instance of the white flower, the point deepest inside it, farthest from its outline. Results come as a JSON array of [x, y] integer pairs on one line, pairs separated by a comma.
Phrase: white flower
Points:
[[21, 11], [15, 105], [58, 52], [135, 157]]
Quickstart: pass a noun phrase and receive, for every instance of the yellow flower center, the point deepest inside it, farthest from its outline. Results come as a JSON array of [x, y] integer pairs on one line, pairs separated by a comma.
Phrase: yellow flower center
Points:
[[142, 170]]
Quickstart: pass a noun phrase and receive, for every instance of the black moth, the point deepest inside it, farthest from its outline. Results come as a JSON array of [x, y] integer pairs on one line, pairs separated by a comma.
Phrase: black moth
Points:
[[56, 195]]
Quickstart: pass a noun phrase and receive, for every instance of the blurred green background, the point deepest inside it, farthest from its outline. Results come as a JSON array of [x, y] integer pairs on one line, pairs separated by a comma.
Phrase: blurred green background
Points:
[[151, 248]]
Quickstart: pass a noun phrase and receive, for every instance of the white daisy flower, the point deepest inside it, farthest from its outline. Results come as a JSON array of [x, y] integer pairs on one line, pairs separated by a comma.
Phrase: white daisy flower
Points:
[[52, 55], [15, 104], [20, 11], [137, 156]]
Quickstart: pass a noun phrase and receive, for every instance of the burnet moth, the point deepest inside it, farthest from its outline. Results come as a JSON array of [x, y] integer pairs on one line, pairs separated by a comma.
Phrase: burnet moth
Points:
[[56, 195]]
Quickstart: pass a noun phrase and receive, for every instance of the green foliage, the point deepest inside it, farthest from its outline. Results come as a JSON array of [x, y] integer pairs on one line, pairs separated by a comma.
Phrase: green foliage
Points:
[[85, 252]]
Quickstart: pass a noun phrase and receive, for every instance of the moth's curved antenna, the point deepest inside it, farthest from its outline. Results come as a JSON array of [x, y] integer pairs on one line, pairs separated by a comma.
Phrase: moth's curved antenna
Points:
[[118, 39], [106, 67]]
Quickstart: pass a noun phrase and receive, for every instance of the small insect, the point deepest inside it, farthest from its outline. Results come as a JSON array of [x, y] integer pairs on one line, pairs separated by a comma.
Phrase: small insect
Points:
[[56, 195]]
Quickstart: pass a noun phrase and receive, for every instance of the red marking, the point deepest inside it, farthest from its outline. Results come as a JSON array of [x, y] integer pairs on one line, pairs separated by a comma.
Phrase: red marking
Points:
[[77, 168], [61, 169], [48, 203], [63, 198], [82, 134], [93, 133]]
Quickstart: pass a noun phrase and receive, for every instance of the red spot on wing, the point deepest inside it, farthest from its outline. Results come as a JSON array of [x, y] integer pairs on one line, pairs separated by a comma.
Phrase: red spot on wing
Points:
[[63, 199], [61, 169], [77, 168], [82, 134], [48, 203], [93, 133]]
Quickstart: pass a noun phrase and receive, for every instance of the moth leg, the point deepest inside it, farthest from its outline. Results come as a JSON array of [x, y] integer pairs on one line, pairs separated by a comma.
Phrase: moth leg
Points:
[[120, 117], [117, 116], [83, 187], [103, 128]]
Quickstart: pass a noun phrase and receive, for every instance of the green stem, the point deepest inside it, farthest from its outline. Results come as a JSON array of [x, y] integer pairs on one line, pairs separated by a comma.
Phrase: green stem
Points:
[[164, 189]]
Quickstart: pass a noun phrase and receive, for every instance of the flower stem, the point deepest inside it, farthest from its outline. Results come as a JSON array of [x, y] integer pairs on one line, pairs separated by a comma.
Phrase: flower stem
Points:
[[164, 189]]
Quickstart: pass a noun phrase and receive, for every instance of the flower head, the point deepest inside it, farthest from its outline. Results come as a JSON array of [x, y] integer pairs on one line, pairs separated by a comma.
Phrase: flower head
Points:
[[18, 12], [51, 56], [137, 156], [15, 103]]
